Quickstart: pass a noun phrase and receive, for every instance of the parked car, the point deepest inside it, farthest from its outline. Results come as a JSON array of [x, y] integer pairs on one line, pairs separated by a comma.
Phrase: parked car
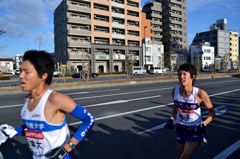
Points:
[[77, 75], [157, 70], [206, 69], [57, 73], [17, 72], [138, 70]]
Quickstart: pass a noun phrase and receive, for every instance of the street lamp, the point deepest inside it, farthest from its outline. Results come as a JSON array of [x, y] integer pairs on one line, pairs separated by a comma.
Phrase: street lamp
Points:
[[145, 48]]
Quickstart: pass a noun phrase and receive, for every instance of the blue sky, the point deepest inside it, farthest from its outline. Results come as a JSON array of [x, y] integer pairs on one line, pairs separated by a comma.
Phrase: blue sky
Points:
[[29, 23]]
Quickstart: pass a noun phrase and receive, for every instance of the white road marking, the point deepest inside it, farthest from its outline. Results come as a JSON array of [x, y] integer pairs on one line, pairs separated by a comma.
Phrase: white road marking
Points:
[[223, 154], [11, 106], [125, 113], [107, 103], [118, 94], [228, 151], [120, 101], [144, 98], [220, 111], [153, 128], [18, 105], [152, 90], [108, 90], [95, 105]]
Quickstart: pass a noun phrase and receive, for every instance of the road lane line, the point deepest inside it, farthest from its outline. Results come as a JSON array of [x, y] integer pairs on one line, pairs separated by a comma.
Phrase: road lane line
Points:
[[125, 113], [219, 111], [226, 92], [108, 90], [216, 94], [152, 90], [228, 151], [93, 105], [153, 128], [129, 100], [11, 106], [118, 94], [120, 101], [107, 103], [234, 90]]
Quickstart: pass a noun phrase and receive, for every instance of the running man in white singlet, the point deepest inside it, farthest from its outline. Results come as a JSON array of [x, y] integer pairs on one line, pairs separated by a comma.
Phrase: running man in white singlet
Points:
[[43, 114], [190, 127]]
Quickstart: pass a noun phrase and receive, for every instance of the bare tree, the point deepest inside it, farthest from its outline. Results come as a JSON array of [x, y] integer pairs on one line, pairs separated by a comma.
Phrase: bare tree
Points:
[[198, 61], [225, 62], [129, 64]]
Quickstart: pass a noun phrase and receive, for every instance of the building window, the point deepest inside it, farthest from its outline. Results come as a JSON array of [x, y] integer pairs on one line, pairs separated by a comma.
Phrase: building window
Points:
[[207, 58]]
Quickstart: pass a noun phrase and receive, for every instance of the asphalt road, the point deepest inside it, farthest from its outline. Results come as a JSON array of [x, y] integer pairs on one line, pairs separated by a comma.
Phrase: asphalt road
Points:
[[14, 81], [125, 115]]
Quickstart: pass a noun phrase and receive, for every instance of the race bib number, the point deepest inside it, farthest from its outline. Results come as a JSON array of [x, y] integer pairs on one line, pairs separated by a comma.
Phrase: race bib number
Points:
[[184, 117], [35, 141], [33, 134]]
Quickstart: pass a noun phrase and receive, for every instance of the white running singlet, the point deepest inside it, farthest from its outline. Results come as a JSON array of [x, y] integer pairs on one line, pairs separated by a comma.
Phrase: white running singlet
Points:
[[188, 109], [42, 136]]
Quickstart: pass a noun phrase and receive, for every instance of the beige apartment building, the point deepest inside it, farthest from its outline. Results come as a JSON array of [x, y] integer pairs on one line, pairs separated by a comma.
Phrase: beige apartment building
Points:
[[101, 35], [234, 52]]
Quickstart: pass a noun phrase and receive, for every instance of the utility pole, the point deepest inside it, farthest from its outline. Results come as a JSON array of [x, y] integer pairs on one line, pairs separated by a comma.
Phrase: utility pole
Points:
[[145, 49], [39, 40]]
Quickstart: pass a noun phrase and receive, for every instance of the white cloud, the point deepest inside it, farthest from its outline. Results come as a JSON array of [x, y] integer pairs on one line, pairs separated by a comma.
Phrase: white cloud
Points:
[[19, 18]]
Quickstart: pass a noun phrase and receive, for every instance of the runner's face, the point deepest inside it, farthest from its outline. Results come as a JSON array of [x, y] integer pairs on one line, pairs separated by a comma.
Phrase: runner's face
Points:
[[28, 76], [184, 78]]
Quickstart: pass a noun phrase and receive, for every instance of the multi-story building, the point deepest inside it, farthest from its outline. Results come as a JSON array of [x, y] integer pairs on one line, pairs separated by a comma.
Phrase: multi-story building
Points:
[[175, 31], [153, 11], [152, 39], [202, 56], [101, 35], [6, 64], [218, 37], [234, 52], [153, 53], [18, 61], [169, 25]]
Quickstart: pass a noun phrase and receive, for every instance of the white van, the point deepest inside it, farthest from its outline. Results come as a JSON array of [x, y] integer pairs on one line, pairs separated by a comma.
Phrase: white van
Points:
[[156, 70], [138, 70]]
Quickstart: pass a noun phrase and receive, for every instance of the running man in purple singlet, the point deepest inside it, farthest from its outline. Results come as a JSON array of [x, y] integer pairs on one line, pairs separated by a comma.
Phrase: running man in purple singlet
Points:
[[190, 127]]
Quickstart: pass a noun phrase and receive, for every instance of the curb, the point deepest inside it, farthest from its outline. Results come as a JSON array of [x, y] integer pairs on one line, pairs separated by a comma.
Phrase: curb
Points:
[[108, 83]]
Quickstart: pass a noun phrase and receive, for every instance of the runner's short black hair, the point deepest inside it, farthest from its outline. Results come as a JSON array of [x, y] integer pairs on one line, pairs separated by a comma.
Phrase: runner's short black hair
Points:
[[189, 68], [42, 61]]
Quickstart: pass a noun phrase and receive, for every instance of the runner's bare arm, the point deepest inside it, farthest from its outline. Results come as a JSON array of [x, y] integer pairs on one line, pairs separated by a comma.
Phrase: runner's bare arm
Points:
[[208, 104], [174, 109], [66, 104]]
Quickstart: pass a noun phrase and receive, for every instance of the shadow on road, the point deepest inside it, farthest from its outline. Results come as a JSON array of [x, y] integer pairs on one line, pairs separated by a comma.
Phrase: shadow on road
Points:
[[122, 141]]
